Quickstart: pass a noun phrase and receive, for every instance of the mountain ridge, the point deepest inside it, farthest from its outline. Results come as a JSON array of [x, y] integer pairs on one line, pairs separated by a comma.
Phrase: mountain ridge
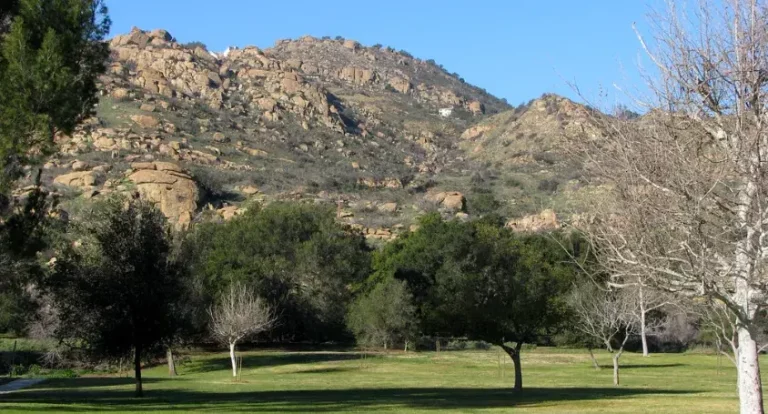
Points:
[[384, 136]]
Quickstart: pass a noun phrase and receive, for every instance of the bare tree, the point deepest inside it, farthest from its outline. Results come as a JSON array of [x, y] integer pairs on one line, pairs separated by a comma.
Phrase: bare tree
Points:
[[723, 324], [646, 300], [687, 181], [238, 315], [608, 316]]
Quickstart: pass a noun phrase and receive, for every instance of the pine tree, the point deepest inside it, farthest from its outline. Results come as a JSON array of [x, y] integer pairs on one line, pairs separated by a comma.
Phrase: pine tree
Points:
[[51, 55]]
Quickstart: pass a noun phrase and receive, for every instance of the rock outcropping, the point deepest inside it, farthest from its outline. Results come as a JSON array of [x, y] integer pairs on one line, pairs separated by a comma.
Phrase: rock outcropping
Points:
[[166, 185], [544, 221]]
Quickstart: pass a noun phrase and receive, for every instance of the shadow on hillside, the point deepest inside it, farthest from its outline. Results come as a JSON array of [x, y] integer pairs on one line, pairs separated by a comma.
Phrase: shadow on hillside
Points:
[[307, 400], [635, 366], [271, 360]]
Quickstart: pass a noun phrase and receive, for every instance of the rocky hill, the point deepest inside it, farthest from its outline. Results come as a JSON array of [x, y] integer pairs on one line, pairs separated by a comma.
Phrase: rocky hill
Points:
[[379, 134]]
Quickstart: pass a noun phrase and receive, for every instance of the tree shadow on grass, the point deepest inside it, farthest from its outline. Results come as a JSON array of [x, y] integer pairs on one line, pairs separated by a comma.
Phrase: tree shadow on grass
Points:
[[328, 370], [636, 366], [71, 398], [71, 384], [271, 360]]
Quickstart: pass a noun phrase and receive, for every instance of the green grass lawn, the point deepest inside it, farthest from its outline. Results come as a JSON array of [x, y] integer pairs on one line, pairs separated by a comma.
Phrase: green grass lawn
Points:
[[555, 380]]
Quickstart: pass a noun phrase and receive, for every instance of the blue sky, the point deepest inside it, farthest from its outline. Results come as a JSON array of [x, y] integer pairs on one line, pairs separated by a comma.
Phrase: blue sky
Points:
[[515, 49]]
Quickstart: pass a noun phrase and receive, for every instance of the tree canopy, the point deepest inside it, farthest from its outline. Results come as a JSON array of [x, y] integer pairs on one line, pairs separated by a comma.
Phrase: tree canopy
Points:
[[115, 286], [384, 315], [295, 256], [483, 281]]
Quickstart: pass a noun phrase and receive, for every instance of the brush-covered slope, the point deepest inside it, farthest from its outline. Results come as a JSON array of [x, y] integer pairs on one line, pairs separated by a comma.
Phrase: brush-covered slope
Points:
[[378, 133]]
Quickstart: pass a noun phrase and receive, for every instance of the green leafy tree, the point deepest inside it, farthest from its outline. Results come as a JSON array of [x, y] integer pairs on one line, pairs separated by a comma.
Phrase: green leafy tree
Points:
[[51, 54], [482, 281], [116, 287], [384, 316], [295, 256], [509, 291], [417, 258]]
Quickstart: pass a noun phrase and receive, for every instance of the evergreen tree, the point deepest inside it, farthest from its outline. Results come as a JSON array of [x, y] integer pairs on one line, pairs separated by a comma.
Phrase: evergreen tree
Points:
[[51, 55], [116, 287]]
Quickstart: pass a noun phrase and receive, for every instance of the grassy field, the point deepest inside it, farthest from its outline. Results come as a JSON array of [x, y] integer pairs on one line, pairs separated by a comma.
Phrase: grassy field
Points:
[[555, 380]]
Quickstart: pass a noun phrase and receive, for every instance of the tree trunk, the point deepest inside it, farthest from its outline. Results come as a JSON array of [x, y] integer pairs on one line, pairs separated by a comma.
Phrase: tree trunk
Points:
[[616, 357], [137, 370], [643, 336], [750, 384], [234, 360], [171, 362], [514, 353], [594, 360]]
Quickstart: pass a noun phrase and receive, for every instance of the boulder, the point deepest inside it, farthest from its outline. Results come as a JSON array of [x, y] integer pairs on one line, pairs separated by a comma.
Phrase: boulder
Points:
[[399, 84], [388, 208], [78, 165], [228, 212], [138, 38], [161, 34], [476, 131], [544, 221], [104, 168], [454, 201], [105, 144], [220, 138], [83, 180], [248, 189], [119, 94], [476, 107], [451, 200], [164, 184], [145, 121], [351, 44], [254, 152], [357, 75]]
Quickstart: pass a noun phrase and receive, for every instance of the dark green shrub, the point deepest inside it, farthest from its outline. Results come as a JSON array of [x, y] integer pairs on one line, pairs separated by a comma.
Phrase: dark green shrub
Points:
[[194, 45], [482, 203], [549, 186]]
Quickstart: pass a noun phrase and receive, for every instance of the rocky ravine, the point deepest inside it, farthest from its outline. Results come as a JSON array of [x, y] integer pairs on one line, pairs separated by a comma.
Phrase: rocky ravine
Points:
[[381, 135]]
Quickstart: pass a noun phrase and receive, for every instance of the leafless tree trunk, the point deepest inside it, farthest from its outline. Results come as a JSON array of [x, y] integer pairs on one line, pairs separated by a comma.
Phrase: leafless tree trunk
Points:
[[594, 360], [239, 314], [171, 362], [642, 313], [616, 368], [687, 183], [616, 355], [233, 357], [647, 300]]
